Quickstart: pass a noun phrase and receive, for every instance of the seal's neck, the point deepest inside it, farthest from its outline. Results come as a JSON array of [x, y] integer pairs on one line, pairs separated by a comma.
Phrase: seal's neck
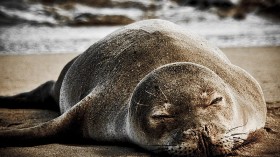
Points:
[[112, 127], [117, 128]]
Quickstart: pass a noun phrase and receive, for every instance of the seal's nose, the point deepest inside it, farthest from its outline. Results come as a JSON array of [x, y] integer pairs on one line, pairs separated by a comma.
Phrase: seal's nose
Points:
[[190, 134], [210, 149], [195, 137]]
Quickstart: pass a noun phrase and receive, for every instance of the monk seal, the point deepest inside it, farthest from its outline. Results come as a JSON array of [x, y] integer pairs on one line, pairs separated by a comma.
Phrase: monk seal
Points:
[[153, 84]]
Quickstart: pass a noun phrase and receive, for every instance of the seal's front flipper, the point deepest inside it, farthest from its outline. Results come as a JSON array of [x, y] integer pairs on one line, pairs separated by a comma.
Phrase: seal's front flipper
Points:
[[41, 97], [66, 126]]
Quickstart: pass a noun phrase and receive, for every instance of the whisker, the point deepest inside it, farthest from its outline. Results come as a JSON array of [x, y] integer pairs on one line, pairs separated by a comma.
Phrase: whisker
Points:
[[240, 145], [138, 103], [238, 142], [238, 134], [239, 139], [234, 128], [163, 145], [150, 93], [163, 94]]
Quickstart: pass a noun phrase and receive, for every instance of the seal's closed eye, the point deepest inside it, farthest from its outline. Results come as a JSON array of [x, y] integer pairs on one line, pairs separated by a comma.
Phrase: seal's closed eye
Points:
[[162, 116], [163, 112], [216, 100]]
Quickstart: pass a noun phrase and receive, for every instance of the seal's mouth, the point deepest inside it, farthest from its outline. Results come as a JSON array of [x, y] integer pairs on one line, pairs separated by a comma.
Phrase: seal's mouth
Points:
[[201, 146], [204, 142]]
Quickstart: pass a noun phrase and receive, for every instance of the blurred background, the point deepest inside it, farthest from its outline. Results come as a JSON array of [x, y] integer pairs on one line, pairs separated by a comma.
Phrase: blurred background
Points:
[[67, 26]]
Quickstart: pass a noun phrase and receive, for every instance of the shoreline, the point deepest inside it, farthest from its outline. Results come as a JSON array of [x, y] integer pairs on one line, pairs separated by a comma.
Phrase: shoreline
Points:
[[270, 47]]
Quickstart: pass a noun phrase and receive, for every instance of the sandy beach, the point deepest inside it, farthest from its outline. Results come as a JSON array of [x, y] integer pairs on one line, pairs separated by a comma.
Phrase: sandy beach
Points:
[[21, 73]]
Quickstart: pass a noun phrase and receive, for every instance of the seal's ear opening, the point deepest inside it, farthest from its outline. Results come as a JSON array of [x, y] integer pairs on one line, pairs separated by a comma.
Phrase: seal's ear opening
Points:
[[54, 130]]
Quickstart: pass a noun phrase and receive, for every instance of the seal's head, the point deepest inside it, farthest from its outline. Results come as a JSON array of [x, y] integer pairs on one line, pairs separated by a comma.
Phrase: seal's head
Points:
[[184, 109]]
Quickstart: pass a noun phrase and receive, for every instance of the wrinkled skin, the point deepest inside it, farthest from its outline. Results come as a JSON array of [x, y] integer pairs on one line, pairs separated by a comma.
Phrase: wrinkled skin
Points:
[[196, 121]]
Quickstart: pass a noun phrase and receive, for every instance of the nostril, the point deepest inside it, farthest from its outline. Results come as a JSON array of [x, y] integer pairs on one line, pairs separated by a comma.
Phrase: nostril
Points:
[[193, 143], [189, 133], [206, 130]]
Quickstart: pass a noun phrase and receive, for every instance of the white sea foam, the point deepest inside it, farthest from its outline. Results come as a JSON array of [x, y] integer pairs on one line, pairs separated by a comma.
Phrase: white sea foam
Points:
[[26, 39]]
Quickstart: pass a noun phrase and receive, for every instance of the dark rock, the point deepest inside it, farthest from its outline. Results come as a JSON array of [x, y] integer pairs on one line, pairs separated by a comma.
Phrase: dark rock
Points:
[[135, 4], [204, 4], [239, 16], [268, 8], [8, 20], [271, 12], [67, 16], [103, 3], [90, 19], [225, 8], [14, 4]]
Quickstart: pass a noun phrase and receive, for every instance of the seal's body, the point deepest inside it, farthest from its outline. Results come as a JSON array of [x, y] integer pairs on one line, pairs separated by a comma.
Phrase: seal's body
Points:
[[153, 84]]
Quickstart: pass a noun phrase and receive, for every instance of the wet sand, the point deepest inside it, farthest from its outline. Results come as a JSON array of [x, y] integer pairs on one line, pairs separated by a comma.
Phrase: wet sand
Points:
[[23, 73]]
